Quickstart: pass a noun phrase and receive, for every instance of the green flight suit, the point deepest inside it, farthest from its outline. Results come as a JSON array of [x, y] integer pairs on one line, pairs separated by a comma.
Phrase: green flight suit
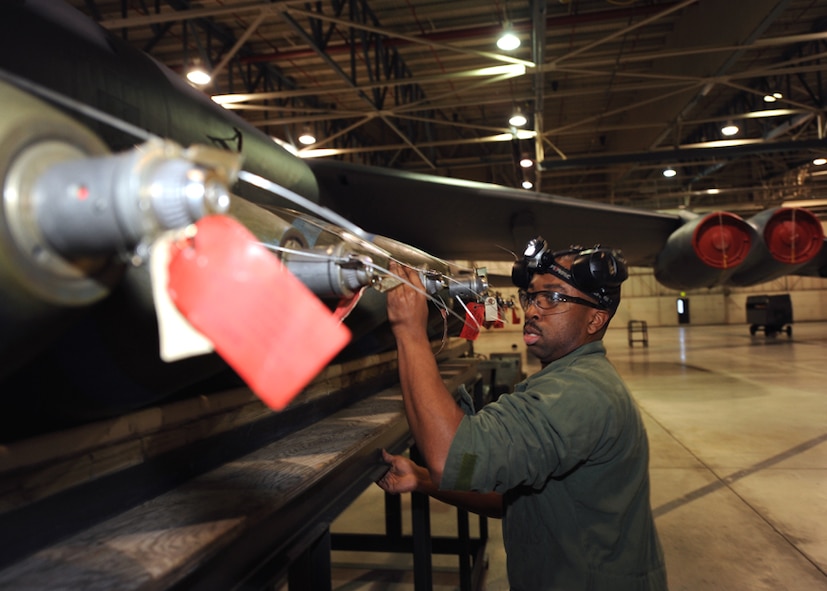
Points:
[[569, 451]]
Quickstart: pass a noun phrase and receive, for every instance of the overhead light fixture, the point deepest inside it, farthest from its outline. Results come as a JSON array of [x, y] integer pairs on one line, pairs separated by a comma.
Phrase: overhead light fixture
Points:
[[307, 138], [508, 41], [197, 75], [805, 203], [521, 134], [320, 153], [527, 185], [730, 129], [517, 118], [526, 162], [230, 99], [770, 113], [501, 70], [669, 172], [820, 161], [771, 97]]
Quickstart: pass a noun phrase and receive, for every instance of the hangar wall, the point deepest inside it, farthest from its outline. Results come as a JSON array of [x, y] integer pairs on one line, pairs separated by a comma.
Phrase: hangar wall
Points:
[[646, 299]]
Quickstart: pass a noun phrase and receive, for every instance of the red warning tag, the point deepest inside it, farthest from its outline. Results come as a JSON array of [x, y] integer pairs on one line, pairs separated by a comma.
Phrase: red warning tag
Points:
[[473, 320], [499, 322], [263, 321], [346, 305]]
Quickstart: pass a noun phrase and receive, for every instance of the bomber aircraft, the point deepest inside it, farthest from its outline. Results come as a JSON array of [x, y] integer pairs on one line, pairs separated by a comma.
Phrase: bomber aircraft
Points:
[[130, 199], [86, 114]]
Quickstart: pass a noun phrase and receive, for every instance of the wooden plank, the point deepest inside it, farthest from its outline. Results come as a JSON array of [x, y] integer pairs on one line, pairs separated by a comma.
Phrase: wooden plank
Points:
[[228, 521]]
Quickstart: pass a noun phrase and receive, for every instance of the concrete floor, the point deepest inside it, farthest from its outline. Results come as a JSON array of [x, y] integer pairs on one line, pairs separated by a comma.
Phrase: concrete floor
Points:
[[738, 434]]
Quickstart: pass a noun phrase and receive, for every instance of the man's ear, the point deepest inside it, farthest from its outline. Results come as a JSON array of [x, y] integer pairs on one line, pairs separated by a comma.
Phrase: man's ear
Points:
[[599, 319]]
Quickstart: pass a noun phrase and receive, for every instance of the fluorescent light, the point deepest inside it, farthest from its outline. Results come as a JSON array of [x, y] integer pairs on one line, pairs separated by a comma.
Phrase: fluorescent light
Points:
[[526, 162], [513, 69], [527, 184], [522, 134], [230, 99], [770, 113], [669, 172], [820, 161], [805, 203], [319, 153]]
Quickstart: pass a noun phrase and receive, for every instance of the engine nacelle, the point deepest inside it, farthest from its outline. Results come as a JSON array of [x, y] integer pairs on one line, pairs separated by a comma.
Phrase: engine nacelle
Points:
[[789, 238], [704, 251]]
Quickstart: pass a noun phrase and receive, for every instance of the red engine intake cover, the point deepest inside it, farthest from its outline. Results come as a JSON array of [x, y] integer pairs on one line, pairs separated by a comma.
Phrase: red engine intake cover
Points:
[[722, 240], [793, 236]]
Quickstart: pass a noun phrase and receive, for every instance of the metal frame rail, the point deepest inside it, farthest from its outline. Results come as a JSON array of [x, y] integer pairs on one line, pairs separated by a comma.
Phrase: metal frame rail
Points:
[[638, 332], [421, 545]]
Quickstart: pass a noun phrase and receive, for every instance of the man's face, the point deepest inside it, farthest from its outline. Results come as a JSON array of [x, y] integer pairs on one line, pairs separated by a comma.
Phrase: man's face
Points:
[[552, 334]]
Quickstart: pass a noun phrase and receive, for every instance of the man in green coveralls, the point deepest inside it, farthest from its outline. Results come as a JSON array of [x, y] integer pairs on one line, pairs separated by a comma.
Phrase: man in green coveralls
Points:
[[564, 458]]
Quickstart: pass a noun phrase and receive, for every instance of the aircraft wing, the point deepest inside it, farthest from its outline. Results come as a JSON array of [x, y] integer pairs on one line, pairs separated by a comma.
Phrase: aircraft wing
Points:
[[465, 220], [458, 219]]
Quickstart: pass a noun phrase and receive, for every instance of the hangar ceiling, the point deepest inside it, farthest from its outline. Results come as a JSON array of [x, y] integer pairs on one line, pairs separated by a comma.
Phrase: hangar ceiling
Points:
[[614, 91]]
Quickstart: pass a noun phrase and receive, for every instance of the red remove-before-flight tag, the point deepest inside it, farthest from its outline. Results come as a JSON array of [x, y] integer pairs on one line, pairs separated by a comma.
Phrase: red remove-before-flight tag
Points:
[[473, 320], [263, 321]]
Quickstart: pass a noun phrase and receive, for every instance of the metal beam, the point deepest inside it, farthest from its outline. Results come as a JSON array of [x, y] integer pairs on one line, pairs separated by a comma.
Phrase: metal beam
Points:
[[687, 153]]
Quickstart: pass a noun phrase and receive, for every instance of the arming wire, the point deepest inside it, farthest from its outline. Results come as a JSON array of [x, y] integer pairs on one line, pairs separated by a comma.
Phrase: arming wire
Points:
[[77, 106], [443, 313], [319, 210], [438, 302], [304, 253], [364, 241]]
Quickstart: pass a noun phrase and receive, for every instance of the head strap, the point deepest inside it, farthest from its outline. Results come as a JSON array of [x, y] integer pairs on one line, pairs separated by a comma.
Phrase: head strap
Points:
[[597, 271]]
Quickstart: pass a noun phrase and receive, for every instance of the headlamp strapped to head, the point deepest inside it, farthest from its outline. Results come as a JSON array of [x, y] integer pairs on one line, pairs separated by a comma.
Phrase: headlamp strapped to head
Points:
[[596, 271]]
